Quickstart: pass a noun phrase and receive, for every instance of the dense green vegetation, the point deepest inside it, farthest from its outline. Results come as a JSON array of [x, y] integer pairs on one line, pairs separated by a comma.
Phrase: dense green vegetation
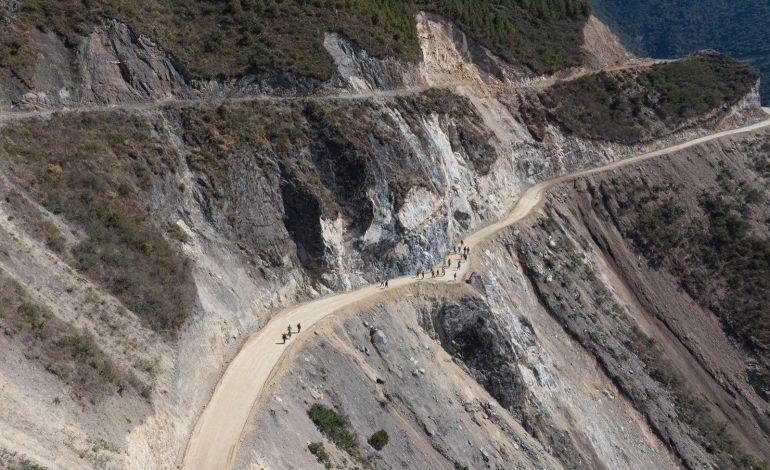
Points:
[[662, 28], [379, 439], [230, 38], [545, 35], [96, 171], [630, 106], [336, 426]]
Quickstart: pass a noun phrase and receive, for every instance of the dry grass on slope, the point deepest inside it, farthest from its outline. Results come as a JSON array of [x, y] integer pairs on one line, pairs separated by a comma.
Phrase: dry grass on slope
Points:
[[69, 354], [97, 172]]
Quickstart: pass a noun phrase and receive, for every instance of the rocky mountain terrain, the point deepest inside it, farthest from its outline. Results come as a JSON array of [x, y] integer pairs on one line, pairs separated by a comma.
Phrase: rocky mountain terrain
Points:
[[161, 200], [666, 29]]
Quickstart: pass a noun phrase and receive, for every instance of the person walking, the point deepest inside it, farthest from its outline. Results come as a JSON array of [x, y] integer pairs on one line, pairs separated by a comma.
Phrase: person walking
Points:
[[283, 337], [459, 263], [288, 328], [386, 283], [299, 327], [455, 277]]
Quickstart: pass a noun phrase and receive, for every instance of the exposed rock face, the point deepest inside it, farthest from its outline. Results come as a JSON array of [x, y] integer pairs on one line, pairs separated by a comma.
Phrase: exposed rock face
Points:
[[668, 355], [602, 45], [360, 72], [468, 329], [117, 65], [411, 388], [277, 201]]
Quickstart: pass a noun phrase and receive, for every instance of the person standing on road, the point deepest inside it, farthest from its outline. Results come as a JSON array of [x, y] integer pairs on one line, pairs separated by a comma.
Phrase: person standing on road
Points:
[[288, 328], [455, 277], [299, 327], [283, 337], [459, 263], [386, 283]]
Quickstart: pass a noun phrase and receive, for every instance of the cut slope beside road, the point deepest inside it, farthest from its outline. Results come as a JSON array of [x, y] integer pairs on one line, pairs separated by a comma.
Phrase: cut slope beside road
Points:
[[216, 436]]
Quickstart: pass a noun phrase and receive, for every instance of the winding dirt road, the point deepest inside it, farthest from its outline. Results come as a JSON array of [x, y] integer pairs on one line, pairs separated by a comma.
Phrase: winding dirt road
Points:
[[216, 436], [535, 84]]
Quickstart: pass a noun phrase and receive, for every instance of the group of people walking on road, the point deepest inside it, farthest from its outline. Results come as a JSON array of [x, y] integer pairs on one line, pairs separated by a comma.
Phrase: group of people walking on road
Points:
[[287, 335], [462, 250]]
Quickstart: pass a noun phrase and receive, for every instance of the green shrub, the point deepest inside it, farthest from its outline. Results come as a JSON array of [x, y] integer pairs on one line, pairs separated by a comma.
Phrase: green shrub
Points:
[[335, 426], [379, 439], [318, 450], [26, 464], [627, 106]]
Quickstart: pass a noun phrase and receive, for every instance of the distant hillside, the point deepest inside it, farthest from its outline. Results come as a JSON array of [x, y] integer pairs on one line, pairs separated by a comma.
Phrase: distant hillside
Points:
[[670, 29], [236, 37], [631, 106]]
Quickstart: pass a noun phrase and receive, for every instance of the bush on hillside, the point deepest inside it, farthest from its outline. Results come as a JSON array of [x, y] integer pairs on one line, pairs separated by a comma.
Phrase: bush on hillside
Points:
[[318, 450], [379, 439], [336, 426]]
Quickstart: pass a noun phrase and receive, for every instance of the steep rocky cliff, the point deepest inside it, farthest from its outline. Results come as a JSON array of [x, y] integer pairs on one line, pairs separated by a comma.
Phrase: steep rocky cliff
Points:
[[606, 356], [625, 262], [151, 218]]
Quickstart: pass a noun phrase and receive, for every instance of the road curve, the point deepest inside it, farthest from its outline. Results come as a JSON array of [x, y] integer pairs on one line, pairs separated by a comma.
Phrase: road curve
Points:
[[216, 436]]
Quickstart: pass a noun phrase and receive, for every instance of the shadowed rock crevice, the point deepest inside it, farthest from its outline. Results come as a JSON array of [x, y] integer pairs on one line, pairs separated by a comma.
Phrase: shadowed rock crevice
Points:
[[468, 330], [343, 169], [302, 219], [472, 333]]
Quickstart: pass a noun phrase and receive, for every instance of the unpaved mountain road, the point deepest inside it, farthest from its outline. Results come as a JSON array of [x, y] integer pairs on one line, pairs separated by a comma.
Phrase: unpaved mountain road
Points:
[[535, 84], [217, 433]]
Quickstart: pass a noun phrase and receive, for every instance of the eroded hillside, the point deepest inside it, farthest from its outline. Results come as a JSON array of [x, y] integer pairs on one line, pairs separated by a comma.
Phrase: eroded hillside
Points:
[[583, 324], [152, 214]]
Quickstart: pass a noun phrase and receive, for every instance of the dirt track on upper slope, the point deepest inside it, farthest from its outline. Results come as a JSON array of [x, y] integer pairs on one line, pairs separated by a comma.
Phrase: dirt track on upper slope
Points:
[[216, 436], [538, 83]]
